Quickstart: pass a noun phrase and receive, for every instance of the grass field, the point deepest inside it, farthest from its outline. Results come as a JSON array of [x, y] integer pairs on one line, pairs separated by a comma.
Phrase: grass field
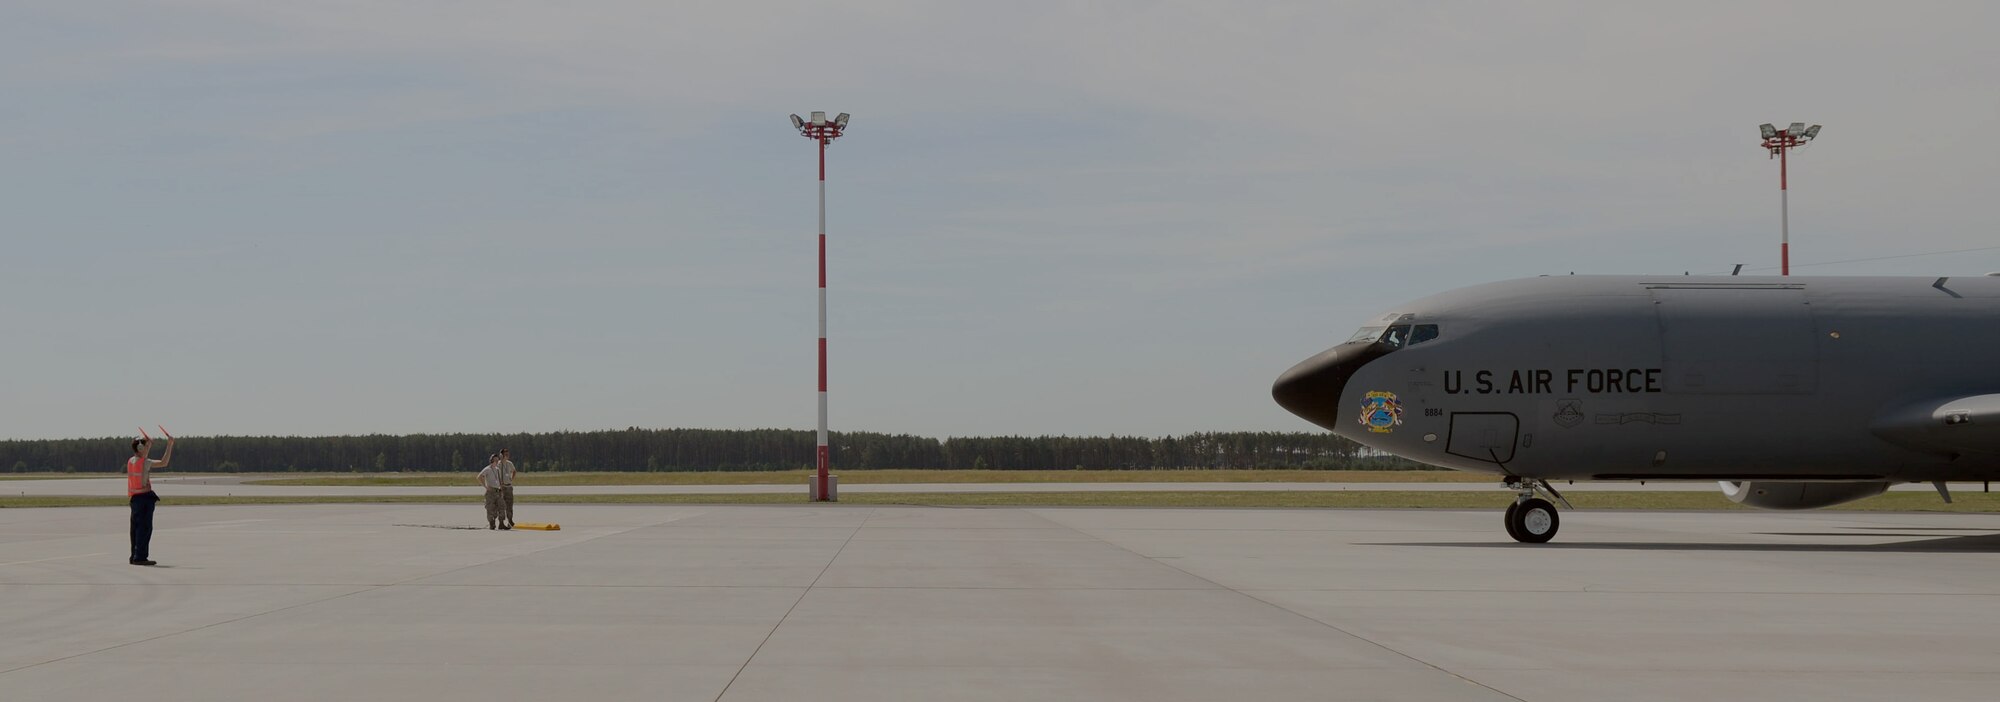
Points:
[[1496, 500], [120, 474], [883, 477]]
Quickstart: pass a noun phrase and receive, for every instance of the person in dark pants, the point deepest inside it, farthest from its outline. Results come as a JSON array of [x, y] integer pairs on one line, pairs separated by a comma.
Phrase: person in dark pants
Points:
[[139, 488], [506, 490]]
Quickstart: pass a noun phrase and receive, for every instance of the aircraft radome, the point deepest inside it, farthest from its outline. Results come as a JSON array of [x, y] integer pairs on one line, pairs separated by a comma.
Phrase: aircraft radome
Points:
[[1794, 392]]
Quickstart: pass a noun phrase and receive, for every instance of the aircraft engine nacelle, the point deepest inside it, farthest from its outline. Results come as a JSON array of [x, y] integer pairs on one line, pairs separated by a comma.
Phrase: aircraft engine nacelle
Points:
[[1784, 495]]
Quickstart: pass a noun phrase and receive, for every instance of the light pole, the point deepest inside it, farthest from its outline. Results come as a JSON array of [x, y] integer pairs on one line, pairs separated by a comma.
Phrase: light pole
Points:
[[1780, 142], [824, 131]]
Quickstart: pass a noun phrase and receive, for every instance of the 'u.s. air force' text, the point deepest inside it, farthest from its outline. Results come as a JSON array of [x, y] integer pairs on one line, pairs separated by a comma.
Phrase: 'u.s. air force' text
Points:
[[1539, 381]]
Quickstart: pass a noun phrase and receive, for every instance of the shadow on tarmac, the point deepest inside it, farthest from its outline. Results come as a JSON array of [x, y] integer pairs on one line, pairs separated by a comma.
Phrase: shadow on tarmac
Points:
[[1923, 543]]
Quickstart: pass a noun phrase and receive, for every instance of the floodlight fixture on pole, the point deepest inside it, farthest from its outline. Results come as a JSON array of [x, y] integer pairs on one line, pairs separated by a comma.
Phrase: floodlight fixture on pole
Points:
[[1779, 144], [824, 132]]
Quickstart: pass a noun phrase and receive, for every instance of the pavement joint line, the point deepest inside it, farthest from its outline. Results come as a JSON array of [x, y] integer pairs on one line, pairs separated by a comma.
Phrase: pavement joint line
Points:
[[794, 607], [362, 589], [57, 558], [1296, 613], [1065, 589], [1400, 591], [1125, 667]]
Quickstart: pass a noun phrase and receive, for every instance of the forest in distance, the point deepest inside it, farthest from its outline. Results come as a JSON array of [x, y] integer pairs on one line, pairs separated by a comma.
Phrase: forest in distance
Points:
[[637, 449]]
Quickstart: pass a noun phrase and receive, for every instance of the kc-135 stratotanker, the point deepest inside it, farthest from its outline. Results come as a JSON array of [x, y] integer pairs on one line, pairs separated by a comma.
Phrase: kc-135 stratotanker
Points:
[[1793, 392]]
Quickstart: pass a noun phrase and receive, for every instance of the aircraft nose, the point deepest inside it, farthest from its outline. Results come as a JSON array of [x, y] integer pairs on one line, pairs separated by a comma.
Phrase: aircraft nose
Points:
[[1312, 388]]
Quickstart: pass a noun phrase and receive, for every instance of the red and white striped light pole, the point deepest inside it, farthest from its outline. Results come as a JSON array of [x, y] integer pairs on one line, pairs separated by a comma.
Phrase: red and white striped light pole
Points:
[[824, 131], [1780, 142]]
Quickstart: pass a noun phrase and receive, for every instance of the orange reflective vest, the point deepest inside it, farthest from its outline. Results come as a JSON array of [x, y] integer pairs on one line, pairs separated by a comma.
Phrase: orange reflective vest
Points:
[[136, 480]]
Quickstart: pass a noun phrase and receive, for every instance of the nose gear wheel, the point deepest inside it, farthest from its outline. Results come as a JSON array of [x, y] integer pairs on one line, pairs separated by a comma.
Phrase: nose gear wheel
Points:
[[1531, 519]]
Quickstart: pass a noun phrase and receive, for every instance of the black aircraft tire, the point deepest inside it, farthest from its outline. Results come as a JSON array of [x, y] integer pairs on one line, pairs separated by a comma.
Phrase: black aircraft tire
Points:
[[1533, 511], [1512, 529]]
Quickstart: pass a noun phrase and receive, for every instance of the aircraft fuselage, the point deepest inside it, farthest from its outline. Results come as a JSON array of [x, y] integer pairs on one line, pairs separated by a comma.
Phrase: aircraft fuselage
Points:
[[1666, 377]]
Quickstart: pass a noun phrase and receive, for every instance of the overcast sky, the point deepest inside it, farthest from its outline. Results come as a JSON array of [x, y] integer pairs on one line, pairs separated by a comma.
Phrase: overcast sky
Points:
[[262, 217]]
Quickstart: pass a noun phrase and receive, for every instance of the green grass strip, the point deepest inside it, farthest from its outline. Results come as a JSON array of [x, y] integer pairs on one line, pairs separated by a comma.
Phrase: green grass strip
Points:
[[1352, 499], [890, 477], [60, 476]]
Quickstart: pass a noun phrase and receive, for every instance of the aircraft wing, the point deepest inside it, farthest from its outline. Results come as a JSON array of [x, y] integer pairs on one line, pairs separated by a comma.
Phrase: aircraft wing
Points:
[[1953, 426]]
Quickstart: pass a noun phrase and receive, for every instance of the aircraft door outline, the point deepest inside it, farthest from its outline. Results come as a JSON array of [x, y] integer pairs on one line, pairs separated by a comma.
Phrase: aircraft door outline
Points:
[[1488, 437], [1737, 339]]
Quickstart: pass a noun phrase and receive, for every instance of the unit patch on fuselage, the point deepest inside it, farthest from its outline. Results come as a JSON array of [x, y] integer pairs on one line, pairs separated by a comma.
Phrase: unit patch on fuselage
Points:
[[1542, 381], [1381, 412], [1569, 412]]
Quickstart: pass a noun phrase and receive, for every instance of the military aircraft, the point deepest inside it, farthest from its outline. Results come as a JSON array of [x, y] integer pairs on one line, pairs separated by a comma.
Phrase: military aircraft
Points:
[[1793, 392]]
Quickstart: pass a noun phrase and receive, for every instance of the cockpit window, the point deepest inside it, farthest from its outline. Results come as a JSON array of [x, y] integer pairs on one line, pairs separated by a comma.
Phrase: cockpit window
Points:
[[1397, 336], [1422, 333]]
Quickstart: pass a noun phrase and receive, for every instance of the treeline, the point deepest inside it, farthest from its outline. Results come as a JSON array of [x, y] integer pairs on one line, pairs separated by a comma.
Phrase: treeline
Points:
[[705, 450]]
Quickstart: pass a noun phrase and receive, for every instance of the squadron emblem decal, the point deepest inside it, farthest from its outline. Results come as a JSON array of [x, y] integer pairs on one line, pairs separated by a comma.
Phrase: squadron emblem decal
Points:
[[1381, 412], [1569, 412]]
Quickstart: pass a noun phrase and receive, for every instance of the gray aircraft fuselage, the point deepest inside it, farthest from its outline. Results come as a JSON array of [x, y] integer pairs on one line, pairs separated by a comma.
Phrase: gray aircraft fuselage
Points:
[[1795, 379]]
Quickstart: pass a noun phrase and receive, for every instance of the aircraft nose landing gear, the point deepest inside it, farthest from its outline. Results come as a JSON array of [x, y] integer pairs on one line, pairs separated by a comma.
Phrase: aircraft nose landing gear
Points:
[[1531, 519]]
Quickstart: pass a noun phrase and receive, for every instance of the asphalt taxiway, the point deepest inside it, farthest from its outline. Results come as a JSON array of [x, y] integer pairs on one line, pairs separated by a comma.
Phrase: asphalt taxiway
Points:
[[850, 602]]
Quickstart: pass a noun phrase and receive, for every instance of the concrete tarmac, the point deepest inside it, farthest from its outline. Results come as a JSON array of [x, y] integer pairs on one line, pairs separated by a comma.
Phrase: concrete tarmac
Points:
[[850, 602], [208, 486]]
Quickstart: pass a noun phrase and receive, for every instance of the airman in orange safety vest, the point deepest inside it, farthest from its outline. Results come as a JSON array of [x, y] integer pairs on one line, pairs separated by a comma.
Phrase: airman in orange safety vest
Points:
[[139, 487]]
